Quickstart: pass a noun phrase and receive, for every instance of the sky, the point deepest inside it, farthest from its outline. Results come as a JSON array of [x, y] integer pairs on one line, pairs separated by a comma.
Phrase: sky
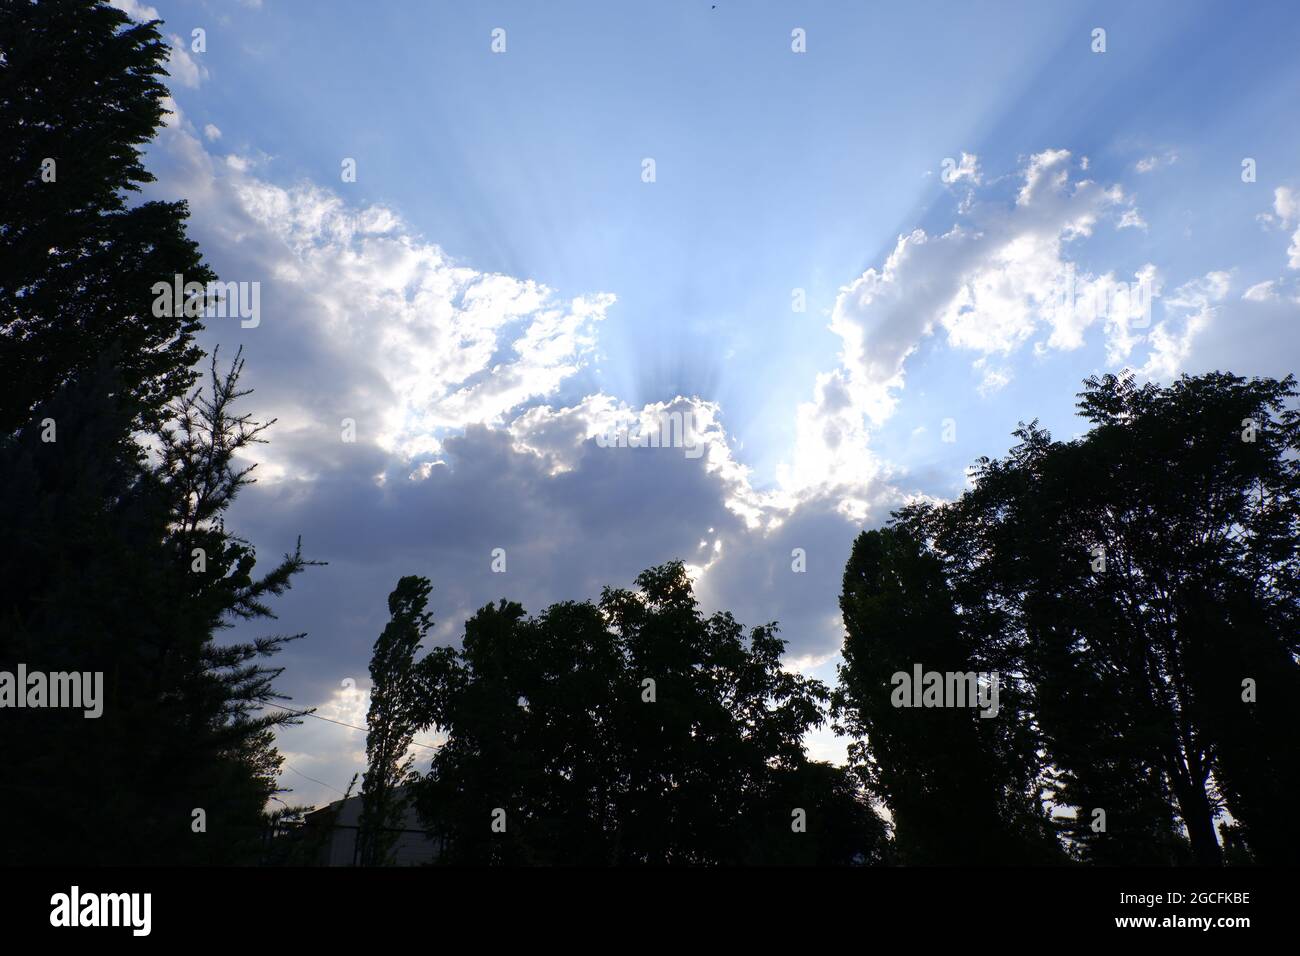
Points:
[[855, 244]]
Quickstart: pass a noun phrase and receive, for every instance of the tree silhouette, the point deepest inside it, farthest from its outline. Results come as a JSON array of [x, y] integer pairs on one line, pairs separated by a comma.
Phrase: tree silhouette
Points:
[[398, 685], [1141, 584], [632, 730], [116, 471], [80, 93], [125, 568], [962, 788]]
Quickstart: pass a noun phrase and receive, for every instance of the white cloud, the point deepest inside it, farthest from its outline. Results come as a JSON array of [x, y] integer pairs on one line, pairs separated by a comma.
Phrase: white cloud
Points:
[[993, 379], [1286, 213], [367, 320], [182, 67], [1132, 219], [431, 346], [211, 132], [1261, 291], [968, 169], [1051, 161], [1128, 311], [465, 387], [135, 10], [1150, 164], [990, 283], [1190, 310], [832, 457], [1286, 204], [173, 117], [1254, 334]]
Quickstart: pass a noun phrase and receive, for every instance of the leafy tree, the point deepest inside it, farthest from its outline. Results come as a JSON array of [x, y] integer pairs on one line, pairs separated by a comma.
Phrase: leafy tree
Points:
[[80, 94], [962, 788], [632, 730], [1143, 582], [396, 708], [124, 568], [842, 828]]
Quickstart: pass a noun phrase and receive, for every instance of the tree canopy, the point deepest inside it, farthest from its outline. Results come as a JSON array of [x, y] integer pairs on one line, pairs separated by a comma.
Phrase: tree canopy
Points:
[[630, 730], [1136, 589], [117, 468]]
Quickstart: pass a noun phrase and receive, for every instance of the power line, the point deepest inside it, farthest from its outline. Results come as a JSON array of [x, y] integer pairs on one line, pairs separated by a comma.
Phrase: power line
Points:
[[309, 713], [313, 779]]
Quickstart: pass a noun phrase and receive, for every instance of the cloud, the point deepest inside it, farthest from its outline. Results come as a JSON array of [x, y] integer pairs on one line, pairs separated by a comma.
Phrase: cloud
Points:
[[993, 378], [990, 284], [472, 434], [1262, 291], [1286, 205], [1149, 164], [1191, 309], [135, 10], [1131, 219], [182, 67], [476, 426], [211, 132], [418, 345], [968, 169], [1257, 333]]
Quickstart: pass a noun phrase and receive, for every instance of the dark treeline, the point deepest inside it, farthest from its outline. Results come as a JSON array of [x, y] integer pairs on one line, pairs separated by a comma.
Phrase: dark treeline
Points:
[[1136, 591], [1132, 592], [116, 560], [1125, 603], [628, 730]]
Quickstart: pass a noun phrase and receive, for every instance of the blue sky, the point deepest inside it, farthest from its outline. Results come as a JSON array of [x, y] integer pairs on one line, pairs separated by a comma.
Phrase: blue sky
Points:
[[499, 280]]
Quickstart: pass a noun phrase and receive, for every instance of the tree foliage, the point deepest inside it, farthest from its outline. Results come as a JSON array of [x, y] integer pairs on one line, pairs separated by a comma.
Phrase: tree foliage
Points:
[[80, 88], [632, 730], [397, 703], [108, 578], [117, 468], [1136, 584]]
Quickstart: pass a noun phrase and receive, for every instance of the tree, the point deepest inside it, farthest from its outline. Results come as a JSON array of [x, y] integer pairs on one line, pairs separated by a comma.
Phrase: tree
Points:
[[396, 701], [125, 569], [116, 471], [632, 730], [80, 93], [962, 788], [1143, 582]]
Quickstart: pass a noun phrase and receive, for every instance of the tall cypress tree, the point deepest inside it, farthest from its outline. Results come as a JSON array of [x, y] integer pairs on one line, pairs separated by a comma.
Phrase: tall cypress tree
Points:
[[397, 711], [962, 788], [118, 561], [80, 94]]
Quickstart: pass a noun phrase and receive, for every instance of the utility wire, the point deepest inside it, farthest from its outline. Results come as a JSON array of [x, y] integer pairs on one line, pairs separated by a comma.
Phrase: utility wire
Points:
[[314, 780], [308, 713]]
